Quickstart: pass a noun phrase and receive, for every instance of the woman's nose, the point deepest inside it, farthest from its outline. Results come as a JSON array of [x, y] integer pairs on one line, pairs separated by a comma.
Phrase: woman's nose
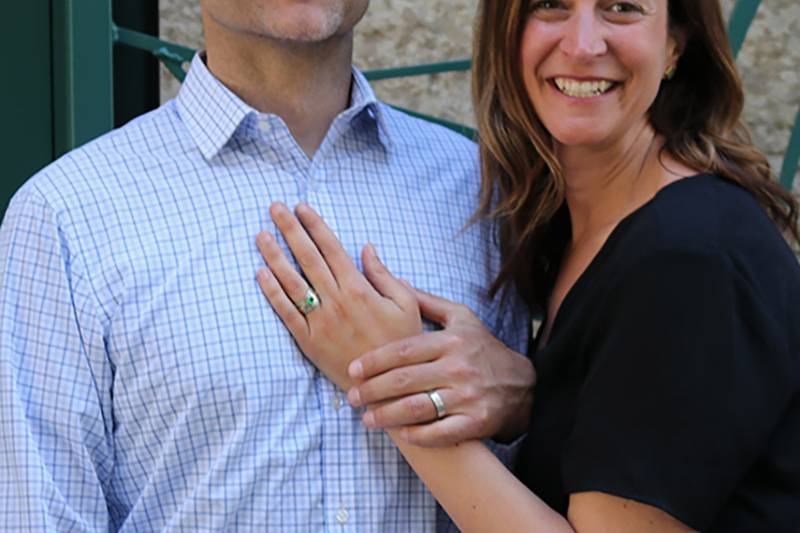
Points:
[[583, 36]]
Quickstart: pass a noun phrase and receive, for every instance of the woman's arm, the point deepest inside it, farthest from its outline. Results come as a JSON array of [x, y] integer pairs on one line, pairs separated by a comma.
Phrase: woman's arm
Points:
[[477, 490], [356, 316], [481, 495]]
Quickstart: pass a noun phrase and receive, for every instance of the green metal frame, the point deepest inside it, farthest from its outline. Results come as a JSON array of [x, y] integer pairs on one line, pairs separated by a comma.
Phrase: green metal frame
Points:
[[26, 95], [173, 56], [88, 83], [131, 65], [83, 70], [791, 158], [459, 65], [742, 16]]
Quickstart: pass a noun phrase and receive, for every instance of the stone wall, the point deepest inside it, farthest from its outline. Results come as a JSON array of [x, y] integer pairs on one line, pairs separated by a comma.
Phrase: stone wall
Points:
[[401, 32]]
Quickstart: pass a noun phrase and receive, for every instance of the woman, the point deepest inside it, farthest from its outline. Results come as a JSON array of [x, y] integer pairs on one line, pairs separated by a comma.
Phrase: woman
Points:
[[635, 213]]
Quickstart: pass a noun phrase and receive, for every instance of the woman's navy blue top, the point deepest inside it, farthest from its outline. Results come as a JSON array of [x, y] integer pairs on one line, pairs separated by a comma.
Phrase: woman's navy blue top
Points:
[[672, 371]]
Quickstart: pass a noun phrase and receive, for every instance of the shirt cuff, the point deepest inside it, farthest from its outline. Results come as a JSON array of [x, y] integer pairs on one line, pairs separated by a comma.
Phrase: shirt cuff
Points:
[[507, 453]]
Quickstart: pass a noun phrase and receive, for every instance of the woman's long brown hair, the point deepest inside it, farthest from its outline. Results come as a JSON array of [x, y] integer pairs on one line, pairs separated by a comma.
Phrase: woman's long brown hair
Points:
[[698, 113]]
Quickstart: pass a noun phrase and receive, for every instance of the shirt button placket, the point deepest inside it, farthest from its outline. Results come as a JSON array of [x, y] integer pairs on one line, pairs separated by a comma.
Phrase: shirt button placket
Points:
[[337, 400], [336, 419], [314, 177]]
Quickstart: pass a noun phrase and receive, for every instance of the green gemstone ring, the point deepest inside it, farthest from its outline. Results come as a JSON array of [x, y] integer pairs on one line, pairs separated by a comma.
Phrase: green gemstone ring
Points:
[[309, 302]]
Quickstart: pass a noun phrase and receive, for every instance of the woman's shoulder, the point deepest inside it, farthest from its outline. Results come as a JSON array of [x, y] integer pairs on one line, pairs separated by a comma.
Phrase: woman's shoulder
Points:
[[710, 216], [706, 230], [706, 210]]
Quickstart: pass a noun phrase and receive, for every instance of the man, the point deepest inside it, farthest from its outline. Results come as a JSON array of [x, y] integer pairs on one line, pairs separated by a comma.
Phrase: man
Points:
[[145, 384]]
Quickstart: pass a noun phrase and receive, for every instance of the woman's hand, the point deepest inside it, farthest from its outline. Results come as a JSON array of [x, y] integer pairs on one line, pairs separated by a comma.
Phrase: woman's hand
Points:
[[486, 387], [355, 315]]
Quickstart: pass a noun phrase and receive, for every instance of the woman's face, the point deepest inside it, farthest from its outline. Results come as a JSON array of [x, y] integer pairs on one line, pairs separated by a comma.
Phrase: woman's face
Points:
[[592, 68]]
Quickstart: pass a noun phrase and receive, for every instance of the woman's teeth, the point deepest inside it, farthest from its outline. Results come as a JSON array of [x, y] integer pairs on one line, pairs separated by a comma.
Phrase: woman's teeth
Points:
[[582, 89]]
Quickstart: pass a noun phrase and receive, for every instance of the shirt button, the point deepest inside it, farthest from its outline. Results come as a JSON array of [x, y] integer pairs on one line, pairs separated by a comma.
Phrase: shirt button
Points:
[[342, 515], [337, 401]]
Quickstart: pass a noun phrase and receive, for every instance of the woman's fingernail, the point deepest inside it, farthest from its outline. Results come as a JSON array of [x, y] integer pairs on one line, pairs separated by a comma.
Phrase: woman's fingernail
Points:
[[263, 273], [377, 257], [369, 419], [265, 237], [355, 370], [354, 397], [278, 210]]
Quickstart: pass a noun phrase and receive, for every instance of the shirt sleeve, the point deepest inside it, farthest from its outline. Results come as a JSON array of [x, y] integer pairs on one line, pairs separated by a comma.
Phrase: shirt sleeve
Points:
[[513, 328], [683, 389], [511, 324], [55, 445]]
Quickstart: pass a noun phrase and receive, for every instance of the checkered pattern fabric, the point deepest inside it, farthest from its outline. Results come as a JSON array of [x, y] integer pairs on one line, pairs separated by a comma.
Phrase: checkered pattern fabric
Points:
[[145, 382]]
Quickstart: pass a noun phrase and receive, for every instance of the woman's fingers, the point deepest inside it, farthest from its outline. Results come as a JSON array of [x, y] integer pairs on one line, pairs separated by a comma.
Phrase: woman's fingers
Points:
[[411, 410], [294, 320], [409, 351], [304, 250], [384, 282], [336, 257], [289, 279]]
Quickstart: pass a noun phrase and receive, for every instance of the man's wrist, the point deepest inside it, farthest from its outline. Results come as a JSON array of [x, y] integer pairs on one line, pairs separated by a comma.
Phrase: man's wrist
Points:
[[518, 418], [517, 424]]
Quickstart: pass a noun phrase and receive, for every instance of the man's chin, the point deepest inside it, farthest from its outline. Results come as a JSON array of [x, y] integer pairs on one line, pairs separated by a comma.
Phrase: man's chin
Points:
[[309, 36], [309, 27]]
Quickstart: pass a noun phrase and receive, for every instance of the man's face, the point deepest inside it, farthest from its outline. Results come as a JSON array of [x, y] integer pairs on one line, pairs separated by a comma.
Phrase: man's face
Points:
[[297, 21]]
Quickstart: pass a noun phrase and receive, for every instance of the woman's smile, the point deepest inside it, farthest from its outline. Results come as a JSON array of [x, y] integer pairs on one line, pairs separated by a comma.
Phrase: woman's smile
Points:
[[583, 88]]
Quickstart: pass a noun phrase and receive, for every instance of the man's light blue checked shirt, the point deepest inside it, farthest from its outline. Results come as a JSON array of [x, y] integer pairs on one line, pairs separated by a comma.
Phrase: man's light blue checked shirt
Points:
[[145, 382]]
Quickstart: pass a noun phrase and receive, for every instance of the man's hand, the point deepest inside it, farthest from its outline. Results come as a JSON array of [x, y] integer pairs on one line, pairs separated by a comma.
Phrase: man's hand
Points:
[[486, 387]]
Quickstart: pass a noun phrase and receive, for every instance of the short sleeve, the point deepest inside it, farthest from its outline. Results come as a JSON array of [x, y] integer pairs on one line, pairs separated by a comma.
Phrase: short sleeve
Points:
[[684, 388]]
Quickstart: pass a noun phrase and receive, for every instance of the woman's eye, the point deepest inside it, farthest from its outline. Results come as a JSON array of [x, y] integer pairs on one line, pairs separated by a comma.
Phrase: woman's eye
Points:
[[543, 4], [626, 7]]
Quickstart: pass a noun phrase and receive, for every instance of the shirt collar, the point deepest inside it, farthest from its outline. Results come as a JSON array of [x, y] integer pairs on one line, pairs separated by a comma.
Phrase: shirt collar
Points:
[[213, 113], [362, 98]]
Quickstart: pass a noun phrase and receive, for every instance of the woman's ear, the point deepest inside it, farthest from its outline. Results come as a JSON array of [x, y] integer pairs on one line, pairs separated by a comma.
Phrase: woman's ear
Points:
[[676, 44]]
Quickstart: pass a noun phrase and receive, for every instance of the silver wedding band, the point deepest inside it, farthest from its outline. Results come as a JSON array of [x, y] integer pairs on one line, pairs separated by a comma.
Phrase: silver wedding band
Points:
[[438, 403]]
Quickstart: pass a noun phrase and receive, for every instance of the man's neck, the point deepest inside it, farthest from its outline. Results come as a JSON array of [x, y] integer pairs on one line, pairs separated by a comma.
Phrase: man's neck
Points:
[[307, 85]]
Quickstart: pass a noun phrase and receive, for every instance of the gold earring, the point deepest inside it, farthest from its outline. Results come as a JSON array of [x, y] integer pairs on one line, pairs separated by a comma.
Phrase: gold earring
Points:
[[670, 72]]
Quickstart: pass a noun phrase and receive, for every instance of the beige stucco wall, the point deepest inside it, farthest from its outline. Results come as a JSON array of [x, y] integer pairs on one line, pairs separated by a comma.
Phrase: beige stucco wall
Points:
[[400, 32]]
